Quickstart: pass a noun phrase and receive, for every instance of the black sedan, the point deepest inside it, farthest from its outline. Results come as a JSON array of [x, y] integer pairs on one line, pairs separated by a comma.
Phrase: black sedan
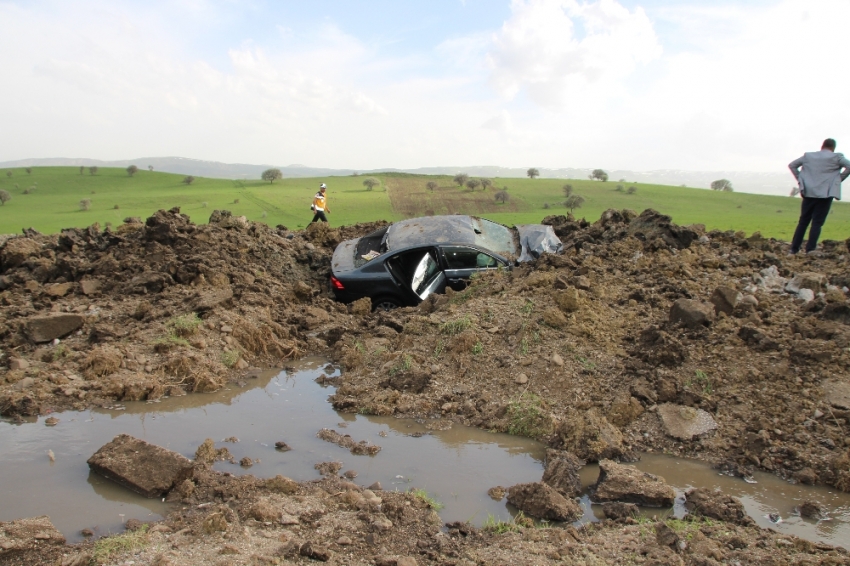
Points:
[[404, 263]]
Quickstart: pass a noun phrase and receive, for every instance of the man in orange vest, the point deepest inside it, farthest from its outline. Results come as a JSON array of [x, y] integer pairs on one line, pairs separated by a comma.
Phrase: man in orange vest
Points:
[[320, 205]]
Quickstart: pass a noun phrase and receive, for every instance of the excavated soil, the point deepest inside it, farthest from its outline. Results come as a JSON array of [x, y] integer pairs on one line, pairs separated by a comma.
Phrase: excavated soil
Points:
[[597, 351]]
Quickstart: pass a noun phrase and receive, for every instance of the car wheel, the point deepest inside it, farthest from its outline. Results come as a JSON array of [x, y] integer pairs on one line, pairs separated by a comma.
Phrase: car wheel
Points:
[[385, 304]]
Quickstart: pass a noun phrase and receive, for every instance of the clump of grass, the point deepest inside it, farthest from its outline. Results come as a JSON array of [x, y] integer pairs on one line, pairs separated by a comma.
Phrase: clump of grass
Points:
[[454, 327], [525, 415], [439, 348], [423, 495], [185, 325], [478, 348], [403, 365], [107, 548], [61, 351], [702, 382], [229, 358], [168, 342], [516, 524], [527, 307]]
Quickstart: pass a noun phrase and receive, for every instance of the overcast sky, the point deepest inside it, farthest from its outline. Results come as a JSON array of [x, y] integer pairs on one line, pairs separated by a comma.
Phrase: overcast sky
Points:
[[628, 84]]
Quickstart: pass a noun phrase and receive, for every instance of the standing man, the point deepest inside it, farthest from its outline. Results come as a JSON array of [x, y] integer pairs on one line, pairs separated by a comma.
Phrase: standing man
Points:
[[820, 182], [320, 205]]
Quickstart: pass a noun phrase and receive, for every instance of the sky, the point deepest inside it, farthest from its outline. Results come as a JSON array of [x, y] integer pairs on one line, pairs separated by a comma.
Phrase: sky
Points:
[[616, 84]]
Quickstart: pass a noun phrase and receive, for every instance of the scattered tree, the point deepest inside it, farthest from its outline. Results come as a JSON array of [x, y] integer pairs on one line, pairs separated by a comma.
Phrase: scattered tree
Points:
[[85, 204], [28, 190], [532, 173], [236, 201], [370, 183], [271, 175], [721, 185], [4, 197], [116, 207], [461, 179], [623, 181], [632, 190], [131, 170], [431, 185], [620, 188], [486, 184], [150, 167], [502, 196], [473, 184], [568, 190], [28, 170], [204, 205], [82, 168], [188, 179], [574, 202], [8, 173], [546, 205], [93, 170], [599, 174]]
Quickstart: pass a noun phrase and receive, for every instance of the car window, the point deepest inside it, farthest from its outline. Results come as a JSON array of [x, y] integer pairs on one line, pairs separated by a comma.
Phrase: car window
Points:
[[460, 257], [423, 273]]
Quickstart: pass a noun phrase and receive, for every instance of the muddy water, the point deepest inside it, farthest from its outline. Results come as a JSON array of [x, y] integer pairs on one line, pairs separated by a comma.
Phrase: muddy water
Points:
[[456, 466]]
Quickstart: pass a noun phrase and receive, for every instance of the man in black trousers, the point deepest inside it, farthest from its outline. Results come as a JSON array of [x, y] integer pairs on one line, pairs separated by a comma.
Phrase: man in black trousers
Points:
[[819, 175]]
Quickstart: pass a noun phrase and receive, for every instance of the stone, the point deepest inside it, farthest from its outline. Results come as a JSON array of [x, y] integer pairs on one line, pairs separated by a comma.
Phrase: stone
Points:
[[557, 360], [568, 300], [806, 295], [624, 410], [816, 282], [302, 291], [555, 318], [665, 536], [619, 512], [702, 502], [541, 501], [18, 364], [725, 299], [381, 523], [32, 286], [580, 282], [210, 298], [811, 510], [684, 422], [58, 289], [562, 472], [836, 392], [361, 307], [750, 300], [521, 379], [142, 467], [627, 484], [692, 314], [591, 437], [17, 251], [90, 286], [30, 534], [282, 446], [47, 328]]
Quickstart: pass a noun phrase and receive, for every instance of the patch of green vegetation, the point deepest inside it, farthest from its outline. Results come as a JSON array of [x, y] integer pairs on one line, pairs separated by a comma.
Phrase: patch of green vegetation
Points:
[[523, 346], [358, 345], [525, 415], [403, 365], [230, 357], [439, 348], [527, 307], [457, 326], [585, 363], [185, 325], [702, 382], [107, 548], [478, 348], [167, 342], [423, 495], [516, 524], [61, 351]]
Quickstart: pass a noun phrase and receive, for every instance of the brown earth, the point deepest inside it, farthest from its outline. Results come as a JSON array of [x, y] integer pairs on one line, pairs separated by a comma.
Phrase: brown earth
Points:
[[578, 350]]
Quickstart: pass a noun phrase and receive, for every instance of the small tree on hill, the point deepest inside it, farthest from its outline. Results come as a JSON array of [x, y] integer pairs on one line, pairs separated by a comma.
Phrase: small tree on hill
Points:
[[131, 170], [486, 184], [532, 173], [472, 184], [4, 197], [599, 175], [460, 179], [85, 204], [82, 168], [28, 170], [93, 170], [188, 179], [502, 196], [8, 173], [370, 183], [431, 185], [632, 190], [574, 202], [568, 190], [271, 175], [150, 167], [721, 185], [620, 188]]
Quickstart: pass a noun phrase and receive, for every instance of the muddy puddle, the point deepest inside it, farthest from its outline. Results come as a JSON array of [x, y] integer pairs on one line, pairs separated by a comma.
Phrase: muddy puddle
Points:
[[44, 468]]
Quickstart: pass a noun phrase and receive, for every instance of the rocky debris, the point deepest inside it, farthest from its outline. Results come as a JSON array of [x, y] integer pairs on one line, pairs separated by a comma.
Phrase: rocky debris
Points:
[[725, 299], [658, 231], [207, 454], [816, 282], [497, 493], [836, 392], [811, 510], [541, 501], [591, 437], [703, 502], [328, 468], [35, 534], [142, 467], [282, 446], [769, 280], [665, 536], [692, 314], [620, 512], [316, 552], [361, 448], [627, 484], [18, 364], [41, 329], [685, 423], [562, 472]]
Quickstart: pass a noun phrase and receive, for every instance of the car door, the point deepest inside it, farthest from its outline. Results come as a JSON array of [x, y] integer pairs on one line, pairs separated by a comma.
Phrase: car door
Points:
[[462, 261], [417, 273]]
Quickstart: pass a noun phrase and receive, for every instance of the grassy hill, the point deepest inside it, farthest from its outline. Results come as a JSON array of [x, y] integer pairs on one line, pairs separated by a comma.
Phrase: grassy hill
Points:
[[54, 201]]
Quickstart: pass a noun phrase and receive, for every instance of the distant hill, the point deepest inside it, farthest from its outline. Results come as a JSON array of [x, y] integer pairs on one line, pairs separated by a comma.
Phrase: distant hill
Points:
[[775, 183]]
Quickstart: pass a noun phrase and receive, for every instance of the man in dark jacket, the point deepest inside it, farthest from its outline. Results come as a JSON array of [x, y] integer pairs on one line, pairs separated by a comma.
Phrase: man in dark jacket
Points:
[[819, 175]]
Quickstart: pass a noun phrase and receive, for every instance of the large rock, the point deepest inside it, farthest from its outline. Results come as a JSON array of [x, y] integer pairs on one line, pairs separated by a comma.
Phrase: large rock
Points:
[[725, 299], [18, 250], [628, 484], [837, 393], [702, 502], [561, 472], [541, 501], [47, 328], [807, 280], [142, 467], [692, 314], [652, 227], [684, 422], [24, 535], [591, 437], [210, 298]]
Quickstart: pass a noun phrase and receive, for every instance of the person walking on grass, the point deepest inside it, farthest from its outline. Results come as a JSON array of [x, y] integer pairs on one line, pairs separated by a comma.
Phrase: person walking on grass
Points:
[[819, 175], [320, 205]]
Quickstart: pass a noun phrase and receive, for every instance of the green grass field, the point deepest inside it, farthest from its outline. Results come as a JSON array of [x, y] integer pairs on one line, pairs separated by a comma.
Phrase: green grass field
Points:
[[54, 201]]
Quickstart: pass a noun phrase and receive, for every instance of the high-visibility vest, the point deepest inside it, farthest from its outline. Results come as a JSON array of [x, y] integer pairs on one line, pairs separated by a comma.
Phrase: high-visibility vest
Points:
[[319, 202]]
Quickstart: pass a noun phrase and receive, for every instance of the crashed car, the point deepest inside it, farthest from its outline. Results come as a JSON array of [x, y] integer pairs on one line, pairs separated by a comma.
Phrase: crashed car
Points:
[[403, 263]]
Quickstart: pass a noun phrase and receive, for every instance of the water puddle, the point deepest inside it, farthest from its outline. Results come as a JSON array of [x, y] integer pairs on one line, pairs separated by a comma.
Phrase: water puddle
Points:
[[455, 466]]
